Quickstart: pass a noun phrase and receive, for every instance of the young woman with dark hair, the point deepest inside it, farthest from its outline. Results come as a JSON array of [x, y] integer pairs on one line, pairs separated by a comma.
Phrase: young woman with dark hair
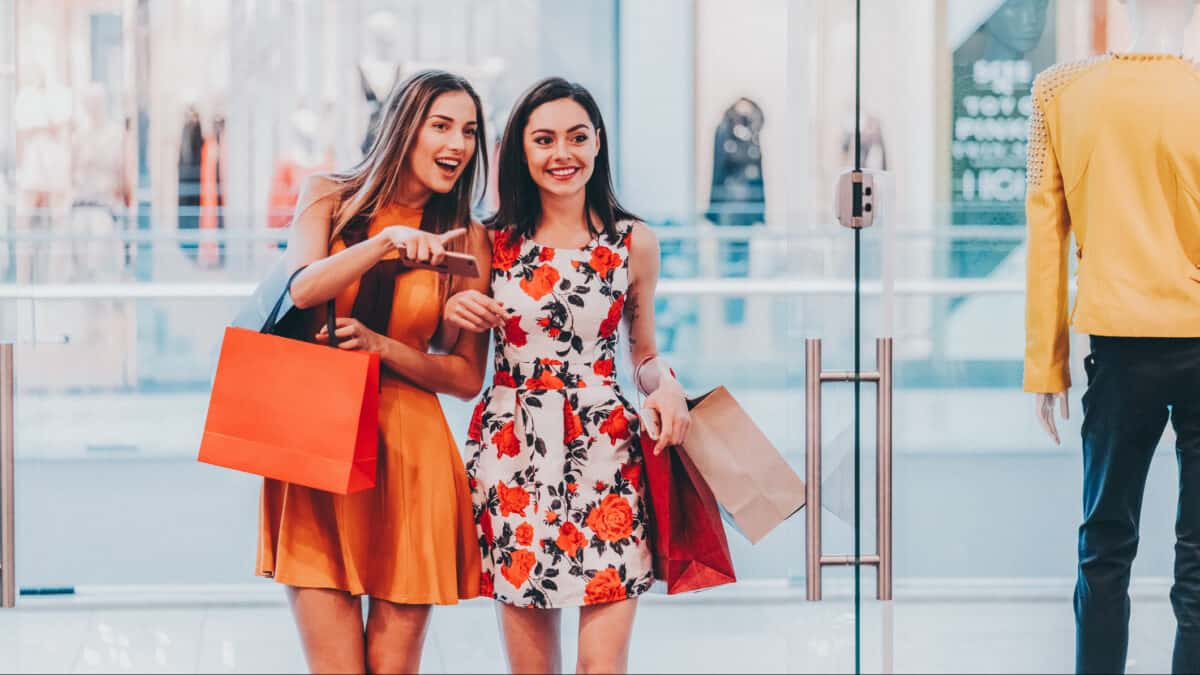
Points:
[[555, 467]]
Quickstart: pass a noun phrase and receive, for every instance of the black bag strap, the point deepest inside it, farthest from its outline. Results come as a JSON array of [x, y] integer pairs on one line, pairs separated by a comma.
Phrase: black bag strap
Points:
[[272, 318], [330, 311], [331, 322]]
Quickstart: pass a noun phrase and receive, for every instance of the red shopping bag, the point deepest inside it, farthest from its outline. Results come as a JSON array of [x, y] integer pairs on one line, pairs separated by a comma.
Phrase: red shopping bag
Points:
[[690, 550], [294, 411]]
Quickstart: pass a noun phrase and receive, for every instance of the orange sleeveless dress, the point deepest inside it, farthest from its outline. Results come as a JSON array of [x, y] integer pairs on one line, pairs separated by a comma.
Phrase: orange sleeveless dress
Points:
[[411, 538]]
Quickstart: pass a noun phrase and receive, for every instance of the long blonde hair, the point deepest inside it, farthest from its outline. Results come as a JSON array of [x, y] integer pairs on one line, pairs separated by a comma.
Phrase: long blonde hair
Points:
[[376, 179]]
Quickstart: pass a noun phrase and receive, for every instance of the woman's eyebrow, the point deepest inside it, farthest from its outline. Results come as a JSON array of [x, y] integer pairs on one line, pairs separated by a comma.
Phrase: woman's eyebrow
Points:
[[548, 131]]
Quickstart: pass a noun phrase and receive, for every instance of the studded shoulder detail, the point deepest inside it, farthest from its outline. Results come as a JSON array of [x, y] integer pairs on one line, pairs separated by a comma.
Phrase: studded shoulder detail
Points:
[[1046, 88]]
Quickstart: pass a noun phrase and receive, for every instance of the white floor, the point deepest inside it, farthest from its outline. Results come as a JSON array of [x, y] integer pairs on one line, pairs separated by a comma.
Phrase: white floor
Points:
[[708, 633]]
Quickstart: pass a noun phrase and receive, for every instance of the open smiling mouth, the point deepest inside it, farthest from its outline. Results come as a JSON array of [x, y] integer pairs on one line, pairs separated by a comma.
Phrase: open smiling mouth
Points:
[[564, 173], [448, 166]]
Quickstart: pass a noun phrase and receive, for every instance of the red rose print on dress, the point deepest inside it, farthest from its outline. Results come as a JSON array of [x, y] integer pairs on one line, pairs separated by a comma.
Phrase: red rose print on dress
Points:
[[506, 250], [617, 425], [570, 539], [604, 260], [546, 380], [512, 500], [613, 320], [633, 473], [485, 527], [524, 534], [513, 333], [556, 466], [603, 367], [518, 572], [543, 281], [606, 586], [506, 442], [475, 431], [572, 426], [612, 519]]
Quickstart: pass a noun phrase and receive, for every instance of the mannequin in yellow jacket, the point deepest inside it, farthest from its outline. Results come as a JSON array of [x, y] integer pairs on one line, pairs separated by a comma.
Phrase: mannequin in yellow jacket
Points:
[[1114, 158], [1144, 283]]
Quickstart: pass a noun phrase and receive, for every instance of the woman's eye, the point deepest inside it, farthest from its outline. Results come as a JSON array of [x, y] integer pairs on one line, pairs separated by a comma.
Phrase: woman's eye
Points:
[[469, 132], [439, 125], [544, 140], [581, 138]]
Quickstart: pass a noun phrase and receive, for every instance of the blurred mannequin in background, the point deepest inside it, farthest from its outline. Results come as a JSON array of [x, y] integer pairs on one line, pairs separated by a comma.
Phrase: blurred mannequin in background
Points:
[[737, 197], [379, 67], [100, 189], [1015, 29], [191, 149], [41, 115], [303, 157]]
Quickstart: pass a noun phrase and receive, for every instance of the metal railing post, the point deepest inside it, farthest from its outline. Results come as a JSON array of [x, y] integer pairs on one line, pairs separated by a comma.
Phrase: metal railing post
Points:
[[8, 557]]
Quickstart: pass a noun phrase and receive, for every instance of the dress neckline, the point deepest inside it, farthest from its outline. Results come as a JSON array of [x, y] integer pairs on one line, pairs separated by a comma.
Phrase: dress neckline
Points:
[[592, 244], [586, 248]]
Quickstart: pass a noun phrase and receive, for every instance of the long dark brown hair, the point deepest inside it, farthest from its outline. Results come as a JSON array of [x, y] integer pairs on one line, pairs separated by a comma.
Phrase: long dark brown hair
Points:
[[375, 181], [520, 203]]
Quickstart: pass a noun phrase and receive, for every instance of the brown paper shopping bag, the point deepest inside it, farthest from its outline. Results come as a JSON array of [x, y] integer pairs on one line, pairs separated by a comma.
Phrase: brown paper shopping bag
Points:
[[750, 479]]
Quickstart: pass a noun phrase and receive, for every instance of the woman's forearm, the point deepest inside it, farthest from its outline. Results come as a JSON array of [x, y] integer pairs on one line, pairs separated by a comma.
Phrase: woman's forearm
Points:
[[447, 336], [440, 373], [654, 373], [329, 276]]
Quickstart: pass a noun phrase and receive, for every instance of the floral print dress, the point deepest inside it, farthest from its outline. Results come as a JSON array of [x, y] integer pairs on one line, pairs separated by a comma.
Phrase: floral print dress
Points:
[[556, 467]]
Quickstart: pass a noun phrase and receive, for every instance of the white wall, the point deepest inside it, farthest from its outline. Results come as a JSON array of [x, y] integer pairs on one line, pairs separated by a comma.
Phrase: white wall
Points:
[[656, 95], [741, 50], [576, 39]]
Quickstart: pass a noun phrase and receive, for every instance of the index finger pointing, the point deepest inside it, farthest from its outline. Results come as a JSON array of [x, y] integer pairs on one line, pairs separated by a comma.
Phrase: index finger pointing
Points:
[[452, 234]]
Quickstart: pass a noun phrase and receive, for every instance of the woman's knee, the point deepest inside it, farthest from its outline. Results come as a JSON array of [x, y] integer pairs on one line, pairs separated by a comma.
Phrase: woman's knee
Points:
[[331, 629], [395, 636], [602, 662]]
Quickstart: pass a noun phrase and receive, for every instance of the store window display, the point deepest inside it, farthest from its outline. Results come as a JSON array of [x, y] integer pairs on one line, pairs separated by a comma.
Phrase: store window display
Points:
[[737, 197], [42, 115], [191, 153], [213, 169], [378, 69], [993, 76], [871, 142], [1114, 160], [1015, 29], [203, 165], [100, 190], [304, 157]]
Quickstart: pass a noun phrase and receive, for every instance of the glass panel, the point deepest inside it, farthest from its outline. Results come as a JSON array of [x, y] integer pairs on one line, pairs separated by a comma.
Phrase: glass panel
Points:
[[166, 144], [986, 505], [8, 135], [221, 108]]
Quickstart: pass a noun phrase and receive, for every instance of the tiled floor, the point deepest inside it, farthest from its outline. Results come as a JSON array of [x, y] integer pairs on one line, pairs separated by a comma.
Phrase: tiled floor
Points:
[[727, 633]]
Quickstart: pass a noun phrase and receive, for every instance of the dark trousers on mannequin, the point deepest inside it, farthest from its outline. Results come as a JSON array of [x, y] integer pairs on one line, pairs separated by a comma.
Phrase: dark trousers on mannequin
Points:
[[1135, 386]]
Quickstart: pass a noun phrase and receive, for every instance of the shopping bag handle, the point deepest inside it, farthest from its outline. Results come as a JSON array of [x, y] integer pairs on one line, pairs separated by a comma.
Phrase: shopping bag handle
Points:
[[331, 324]]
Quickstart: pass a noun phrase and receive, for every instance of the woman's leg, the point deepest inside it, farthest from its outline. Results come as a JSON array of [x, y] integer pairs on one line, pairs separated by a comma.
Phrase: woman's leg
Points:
[[604, 632], [395, 636], [331, 629], [532, 638]]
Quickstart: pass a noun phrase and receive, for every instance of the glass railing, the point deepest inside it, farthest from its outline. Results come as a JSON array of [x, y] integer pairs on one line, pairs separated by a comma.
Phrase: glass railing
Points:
[[113, 381]]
